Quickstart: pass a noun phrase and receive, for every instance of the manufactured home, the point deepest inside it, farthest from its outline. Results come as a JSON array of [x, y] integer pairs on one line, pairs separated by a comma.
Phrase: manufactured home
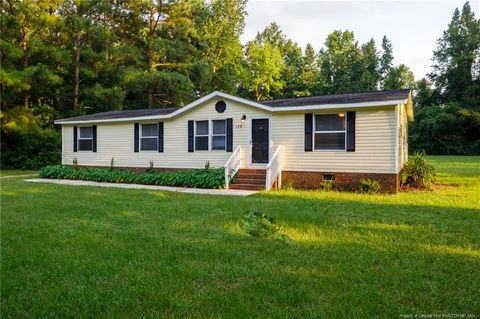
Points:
[[303, 141]]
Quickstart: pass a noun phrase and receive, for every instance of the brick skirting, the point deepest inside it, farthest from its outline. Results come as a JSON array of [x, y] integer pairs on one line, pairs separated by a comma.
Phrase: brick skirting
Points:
[[306, 180], [343, 181]]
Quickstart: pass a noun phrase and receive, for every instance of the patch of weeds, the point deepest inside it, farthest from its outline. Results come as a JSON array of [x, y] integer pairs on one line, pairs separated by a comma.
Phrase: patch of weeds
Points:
[[326, 185], [370, 186], [151, 168], [75, 163], [287, 185], [112, 163], [263, 226]]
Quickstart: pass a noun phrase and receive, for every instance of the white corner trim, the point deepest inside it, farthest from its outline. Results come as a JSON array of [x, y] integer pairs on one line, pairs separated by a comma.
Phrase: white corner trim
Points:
[[396, 139], [243, 101]]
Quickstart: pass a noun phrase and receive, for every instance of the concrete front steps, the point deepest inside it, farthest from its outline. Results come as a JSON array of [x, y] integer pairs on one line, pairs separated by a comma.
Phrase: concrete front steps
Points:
[[249, 179]]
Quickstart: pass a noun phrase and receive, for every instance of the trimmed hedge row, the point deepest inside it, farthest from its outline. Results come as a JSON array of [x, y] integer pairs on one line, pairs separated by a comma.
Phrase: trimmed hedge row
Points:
[[199, 178]]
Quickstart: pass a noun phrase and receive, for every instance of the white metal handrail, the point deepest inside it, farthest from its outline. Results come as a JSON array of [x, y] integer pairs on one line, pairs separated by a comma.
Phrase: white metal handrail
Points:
[[233, 165], [274, 169]]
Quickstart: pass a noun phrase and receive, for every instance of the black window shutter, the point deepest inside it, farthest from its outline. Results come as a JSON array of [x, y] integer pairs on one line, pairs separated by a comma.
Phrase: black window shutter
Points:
[[190, 136], [308, 132], [229, 135], [94, 138], [351, 131], [160, 136], [136, 136], [75, 131]]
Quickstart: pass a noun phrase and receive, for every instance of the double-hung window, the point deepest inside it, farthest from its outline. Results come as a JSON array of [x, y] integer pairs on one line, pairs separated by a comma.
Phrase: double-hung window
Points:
[[219, 134], [329, 132], [149, 137], [85, 138], [201, 135]]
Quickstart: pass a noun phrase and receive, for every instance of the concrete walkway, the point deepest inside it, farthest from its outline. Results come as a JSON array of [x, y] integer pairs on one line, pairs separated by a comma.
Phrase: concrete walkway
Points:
[[233, 192]]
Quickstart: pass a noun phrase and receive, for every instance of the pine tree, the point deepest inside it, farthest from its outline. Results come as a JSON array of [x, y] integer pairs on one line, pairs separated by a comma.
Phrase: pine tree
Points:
[[24, 52], [456, 73], [370, 64], [386, 60], [309, 76]]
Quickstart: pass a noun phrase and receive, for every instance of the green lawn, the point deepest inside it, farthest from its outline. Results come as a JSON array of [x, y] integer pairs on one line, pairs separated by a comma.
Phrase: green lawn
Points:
[[12, 172], [86, 252]]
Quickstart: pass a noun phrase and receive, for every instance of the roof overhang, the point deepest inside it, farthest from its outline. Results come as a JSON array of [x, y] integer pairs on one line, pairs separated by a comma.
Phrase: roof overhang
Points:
[[218, 94]]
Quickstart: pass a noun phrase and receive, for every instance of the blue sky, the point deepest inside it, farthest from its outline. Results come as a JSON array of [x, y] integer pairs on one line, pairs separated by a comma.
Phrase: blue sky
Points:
[[412, 26]]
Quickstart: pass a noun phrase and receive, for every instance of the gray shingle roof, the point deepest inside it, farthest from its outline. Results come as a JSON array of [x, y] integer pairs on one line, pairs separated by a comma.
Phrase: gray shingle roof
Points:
[[375, 96], [122, 114], [340, 98]]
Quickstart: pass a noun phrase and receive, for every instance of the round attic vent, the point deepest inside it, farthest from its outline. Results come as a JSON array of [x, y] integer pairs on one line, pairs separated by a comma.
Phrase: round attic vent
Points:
[[220, 106]]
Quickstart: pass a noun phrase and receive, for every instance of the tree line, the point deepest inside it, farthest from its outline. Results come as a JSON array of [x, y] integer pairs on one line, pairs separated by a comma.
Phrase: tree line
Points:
[[61, 58]]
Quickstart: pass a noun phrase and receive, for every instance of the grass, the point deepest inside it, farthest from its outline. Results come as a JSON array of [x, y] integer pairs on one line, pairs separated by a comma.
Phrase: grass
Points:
[[12, 172], [89, 252]]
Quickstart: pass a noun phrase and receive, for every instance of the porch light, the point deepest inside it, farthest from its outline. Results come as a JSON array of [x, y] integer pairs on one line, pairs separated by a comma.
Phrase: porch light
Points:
[[341, 114], [244, 118]]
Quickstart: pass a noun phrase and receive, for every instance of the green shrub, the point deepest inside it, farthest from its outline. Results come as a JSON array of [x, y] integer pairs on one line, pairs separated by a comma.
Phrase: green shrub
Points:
[[26, 143], [417, 172], [263, 226], [369, 186], [213, 178]]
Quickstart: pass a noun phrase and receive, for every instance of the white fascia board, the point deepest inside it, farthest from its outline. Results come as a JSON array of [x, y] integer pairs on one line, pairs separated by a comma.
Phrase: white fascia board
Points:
[[240, 100], [128, 119], [337, 106]]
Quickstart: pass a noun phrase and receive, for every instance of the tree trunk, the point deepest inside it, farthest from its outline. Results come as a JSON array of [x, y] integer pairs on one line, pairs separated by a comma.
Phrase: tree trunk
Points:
[[150, 97], [258, 95], [106, 24], [26, 95], [26, 99], [76, 92]]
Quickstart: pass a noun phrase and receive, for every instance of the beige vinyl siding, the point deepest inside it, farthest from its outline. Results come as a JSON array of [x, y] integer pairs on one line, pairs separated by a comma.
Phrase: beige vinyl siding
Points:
[[374, 153], [375, 142], [116, 140]]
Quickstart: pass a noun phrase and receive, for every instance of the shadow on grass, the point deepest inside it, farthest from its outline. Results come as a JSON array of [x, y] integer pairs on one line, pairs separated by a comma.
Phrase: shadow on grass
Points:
[[345, 273], [136, 253]]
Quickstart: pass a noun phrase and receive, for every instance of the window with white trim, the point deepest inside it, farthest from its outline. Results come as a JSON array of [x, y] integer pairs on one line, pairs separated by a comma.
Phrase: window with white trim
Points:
[[329, 133], [149, 137], [219, 134], [85, 138], [201, 135]]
